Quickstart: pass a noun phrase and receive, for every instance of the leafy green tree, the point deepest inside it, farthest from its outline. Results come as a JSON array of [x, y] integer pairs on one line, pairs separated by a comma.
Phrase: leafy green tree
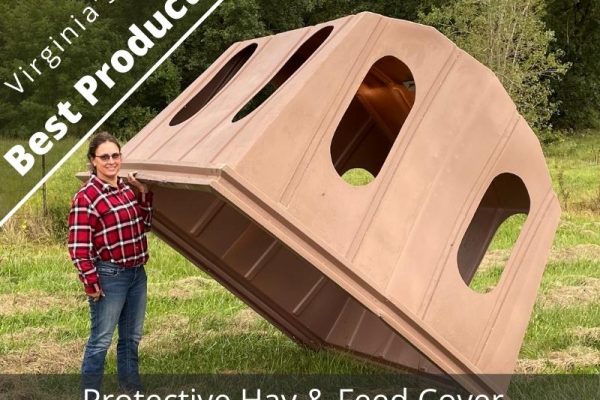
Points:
[[509, 37], [22, 114], [277, 16], [162, 87], [165, 84], [325, 10], [25, 27], [233, 21], [577, 27]]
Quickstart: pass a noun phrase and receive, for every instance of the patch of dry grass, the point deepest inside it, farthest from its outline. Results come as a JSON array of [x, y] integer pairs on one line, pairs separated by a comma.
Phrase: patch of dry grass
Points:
[[47, 357], [576, 253], [245, 320], [529, 366], [29, 334], [494, 258], [587, 334], [14, 387], [164, 329], [561, 295], [182, 289], [575, 356], [579, 252], [565, 360], [21, 303]]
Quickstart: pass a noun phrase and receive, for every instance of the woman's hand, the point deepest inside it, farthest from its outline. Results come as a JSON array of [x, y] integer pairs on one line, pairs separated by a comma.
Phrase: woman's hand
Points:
[[96, 296], [135, 183]]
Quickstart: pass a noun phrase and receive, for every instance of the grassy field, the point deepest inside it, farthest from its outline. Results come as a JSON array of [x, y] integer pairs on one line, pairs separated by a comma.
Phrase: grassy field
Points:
[[195, 326]]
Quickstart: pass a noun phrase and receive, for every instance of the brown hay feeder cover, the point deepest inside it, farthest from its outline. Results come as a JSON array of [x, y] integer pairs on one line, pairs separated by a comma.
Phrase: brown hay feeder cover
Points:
[[251, 191]]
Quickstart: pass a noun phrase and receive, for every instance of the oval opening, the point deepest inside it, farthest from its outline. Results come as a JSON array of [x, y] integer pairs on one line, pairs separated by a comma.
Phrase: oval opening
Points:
[[372, 121], [493, 232], [208, 92], [301, 55]]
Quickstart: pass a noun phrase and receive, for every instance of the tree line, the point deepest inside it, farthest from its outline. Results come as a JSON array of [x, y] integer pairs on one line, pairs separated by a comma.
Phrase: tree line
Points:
[[543, 51]]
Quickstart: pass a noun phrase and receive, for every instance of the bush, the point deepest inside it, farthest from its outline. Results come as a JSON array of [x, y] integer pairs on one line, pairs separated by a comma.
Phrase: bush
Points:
[[510, 38]]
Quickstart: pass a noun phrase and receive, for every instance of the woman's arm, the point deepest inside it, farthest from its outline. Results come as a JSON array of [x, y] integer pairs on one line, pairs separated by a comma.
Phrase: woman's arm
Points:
[[82, 220], [144, 199]]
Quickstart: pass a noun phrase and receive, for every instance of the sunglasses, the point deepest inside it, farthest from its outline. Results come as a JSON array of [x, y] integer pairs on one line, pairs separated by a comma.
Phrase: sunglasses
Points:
[[106, 157]]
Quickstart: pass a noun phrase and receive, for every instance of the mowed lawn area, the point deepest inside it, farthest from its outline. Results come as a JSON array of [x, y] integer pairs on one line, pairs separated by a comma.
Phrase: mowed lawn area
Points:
[[195, 326]]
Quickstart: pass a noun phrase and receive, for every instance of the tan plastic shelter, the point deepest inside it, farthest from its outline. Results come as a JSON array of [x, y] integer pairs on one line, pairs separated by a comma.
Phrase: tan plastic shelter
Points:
[[246, 167]]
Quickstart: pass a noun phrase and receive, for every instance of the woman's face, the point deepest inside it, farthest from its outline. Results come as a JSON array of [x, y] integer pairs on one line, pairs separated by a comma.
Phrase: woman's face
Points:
[[107, 161]]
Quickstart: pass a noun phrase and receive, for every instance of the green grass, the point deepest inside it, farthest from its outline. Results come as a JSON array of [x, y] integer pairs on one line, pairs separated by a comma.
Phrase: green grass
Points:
[[195, 326], [358, 177], [575, 168]]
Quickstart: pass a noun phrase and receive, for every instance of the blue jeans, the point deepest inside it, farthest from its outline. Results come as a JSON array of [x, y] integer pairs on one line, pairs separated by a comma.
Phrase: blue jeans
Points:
[[123, 304]]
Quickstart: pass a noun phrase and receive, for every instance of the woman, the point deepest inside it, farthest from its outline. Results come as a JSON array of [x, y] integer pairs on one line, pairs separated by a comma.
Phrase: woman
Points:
[[107, 243]]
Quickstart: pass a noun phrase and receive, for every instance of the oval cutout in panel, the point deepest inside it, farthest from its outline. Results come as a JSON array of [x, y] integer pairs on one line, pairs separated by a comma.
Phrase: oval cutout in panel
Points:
[[208, 92], [301, 55], [506, 197], [370, 125]]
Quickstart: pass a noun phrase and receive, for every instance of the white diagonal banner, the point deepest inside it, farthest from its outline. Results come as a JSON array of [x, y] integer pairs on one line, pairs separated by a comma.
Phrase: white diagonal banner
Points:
[[112, 110]]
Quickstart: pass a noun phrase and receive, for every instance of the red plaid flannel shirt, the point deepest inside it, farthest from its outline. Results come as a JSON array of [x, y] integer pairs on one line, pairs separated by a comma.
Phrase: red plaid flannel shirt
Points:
[[108, 224]]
